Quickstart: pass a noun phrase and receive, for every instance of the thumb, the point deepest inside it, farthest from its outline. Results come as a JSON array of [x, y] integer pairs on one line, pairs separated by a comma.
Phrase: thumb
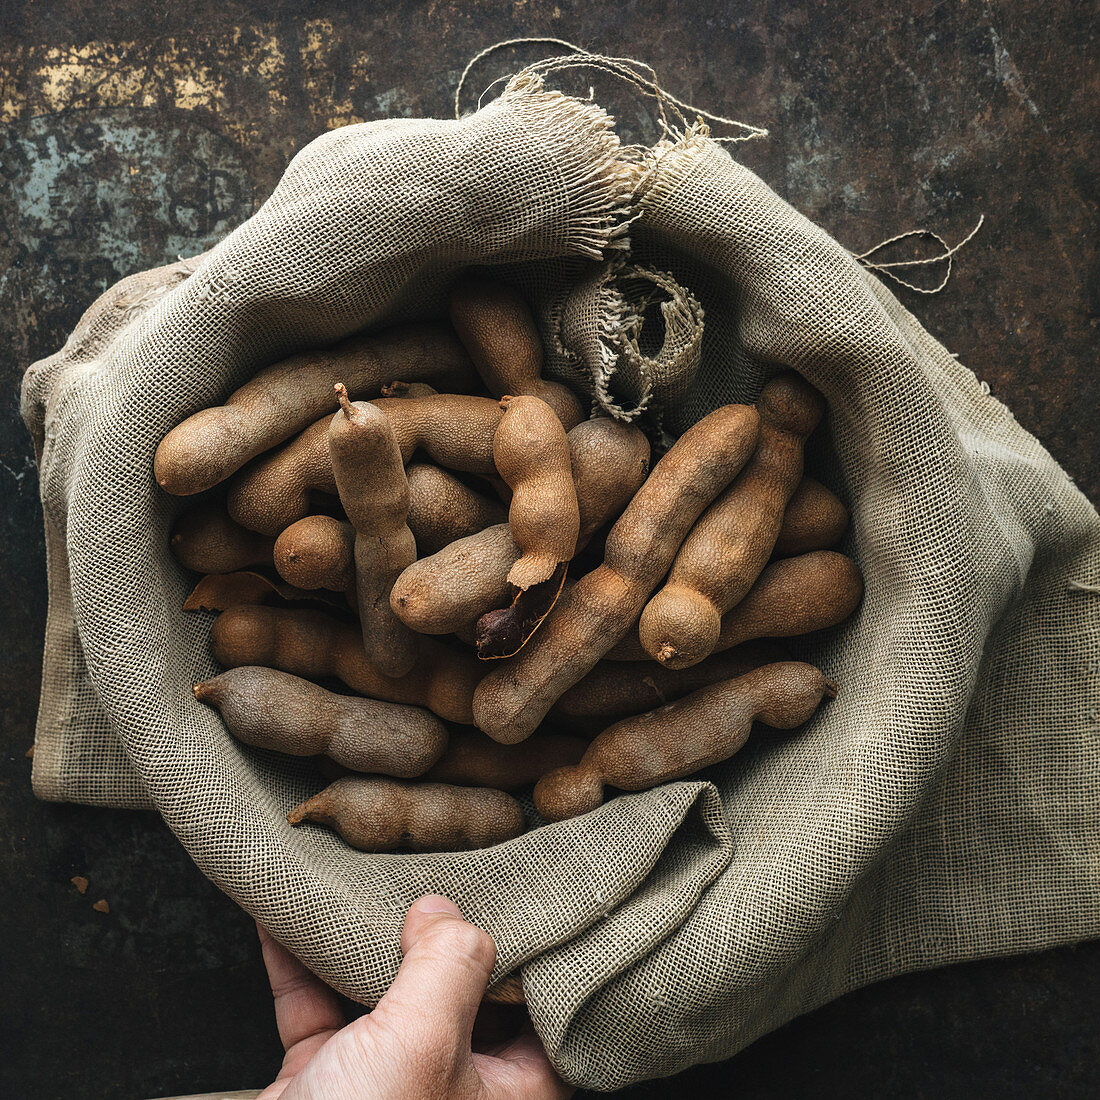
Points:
[[442, 980]]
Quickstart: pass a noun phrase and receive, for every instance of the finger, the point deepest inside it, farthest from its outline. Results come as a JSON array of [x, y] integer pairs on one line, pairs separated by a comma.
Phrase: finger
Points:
[[442, 979], [304, 1006], [521, 1069]]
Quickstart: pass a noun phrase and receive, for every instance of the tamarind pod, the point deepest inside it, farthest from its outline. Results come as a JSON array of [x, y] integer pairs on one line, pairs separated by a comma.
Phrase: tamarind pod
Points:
[[284, 398], [815, 519], [592, 616], [531, 453], [374, 491], [474, 760], [701, 729], [616, 689], [382, 815], [274, 710], [455, 430], [443, 509], [729, 546], [207, 540], [316, 646], [498, 330], [318, 552], [448, 591], [791, 596]]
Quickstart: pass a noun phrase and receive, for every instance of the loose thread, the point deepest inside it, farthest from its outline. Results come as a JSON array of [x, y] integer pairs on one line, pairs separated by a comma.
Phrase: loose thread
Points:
[[1081, 586], [948, 254], [625, 68]]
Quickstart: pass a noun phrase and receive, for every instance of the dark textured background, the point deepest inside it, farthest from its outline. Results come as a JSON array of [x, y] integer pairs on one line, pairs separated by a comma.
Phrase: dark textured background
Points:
[[133, 132]]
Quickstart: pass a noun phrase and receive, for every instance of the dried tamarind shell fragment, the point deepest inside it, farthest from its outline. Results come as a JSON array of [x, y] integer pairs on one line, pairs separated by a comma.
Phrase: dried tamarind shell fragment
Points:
[[384, 815], [283, 399], [505, 631], [374, 491], [675, 740], [274, 710], [730, 545], [590, 618]]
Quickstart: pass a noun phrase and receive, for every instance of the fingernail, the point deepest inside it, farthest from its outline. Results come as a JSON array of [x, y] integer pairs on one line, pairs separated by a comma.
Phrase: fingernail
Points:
[[434, 903]]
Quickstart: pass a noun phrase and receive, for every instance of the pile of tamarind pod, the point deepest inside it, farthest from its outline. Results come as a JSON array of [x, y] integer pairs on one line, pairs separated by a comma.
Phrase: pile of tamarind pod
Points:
[[442, 580]]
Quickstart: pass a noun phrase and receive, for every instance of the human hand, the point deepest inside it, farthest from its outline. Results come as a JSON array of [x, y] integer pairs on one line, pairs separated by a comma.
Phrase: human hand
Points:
[[418, 1042]]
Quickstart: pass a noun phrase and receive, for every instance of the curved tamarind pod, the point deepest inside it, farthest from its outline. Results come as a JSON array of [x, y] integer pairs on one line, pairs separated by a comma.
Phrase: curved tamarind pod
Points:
[[729, 546], [370, 477], [592, 616], [455, 430], [701, 729], [274, 710], [207, 540], [318, 552], [443, 509], [616, 689], [287, 396], [449, 590], [316, 646], [474, 760], [791, 596], [531, 453], [498, 330], [384, 815], [815, 519]]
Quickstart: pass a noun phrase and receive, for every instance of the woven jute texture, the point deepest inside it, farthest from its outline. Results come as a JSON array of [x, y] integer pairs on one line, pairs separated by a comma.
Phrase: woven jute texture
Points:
[[943, 807]]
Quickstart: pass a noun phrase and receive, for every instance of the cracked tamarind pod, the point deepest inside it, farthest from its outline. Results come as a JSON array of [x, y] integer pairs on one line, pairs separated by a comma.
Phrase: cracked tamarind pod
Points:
[[384, 815], [497, 328], [455, 431], [701, 729], [791, 596], [286, 397], [316, 646], [591, 617], [729, 546], [443, 509], [275, 710], [207, 540], [814, 519], [448, 591], [374, 491]]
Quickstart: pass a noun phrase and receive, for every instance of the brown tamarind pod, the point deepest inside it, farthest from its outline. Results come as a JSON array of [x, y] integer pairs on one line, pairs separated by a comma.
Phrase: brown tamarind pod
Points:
[[370, 477], [815, 519], [592, 616], [286, 397], [207, 540], [384, 815], [316, 646], [443, 509], [454, 430], [701, 729], [447, 592], [614, 689], [318, 552], [531, 453], [496, 325], [474, 760], [274, 710], [791, 596], [729, 546]]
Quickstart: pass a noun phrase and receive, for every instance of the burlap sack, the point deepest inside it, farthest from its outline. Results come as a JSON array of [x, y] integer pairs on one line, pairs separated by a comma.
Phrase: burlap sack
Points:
[[943, 807]]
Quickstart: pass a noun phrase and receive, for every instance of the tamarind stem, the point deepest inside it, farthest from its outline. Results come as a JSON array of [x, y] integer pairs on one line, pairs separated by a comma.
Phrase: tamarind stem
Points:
[[701, 729]]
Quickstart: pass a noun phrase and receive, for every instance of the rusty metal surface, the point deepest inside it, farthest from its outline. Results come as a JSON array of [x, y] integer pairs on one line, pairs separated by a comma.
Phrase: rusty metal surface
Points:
[[132, 133]]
